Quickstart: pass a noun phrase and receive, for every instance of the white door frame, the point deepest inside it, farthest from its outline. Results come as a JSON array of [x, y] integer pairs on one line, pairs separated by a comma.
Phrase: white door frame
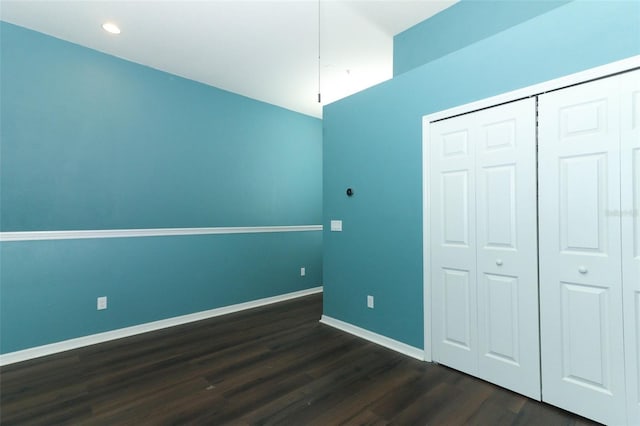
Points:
[[627, 64]]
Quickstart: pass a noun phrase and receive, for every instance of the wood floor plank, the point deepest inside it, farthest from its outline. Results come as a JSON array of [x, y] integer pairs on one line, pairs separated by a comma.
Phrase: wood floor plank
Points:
[[427, 405], [350, 409], [273, 365]]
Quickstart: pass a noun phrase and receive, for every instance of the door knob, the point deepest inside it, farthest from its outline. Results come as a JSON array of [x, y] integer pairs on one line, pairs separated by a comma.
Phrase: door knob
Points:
[[582, 269], [499, 262]]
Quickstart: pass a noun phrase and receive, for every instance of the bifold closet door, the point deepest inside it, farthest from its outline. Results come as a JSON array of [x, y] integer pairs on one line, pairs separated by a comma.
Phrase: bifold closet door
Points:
[[580, 250], [506, 235], [453, 243], [630, 217], [483, 245]]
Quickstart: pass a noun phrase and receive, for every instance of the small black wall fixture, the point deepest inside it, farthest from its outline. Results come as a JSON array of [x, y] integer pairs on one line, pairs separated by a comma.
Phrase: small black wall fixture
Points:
[[349, 192]]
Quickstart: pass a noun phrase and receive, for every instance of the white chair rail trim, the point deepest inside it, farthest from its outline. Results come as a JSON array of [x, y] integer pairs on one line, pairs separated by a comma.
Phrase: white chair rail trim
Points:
[[157, 232]]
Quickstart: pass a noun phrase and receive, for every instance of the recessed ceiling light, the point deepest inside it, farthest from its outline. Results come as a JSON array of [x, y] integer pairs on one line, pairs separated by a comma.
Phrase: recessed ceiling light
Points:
[[110, 27]]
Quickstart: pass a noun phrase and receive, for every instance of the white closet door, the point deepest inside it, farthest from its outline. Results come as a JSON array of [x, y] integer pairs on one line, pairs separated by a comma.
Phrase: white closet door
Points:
[[630, 216], [580, 260], [483, 261], [506, 234], [453, 260]]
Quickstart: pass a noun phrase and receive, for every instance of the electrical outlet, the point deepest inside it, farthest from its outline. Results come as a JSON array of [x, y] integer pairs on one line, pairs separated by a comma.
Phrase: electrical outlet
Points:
[[370, 302], [102, 303], [303, 272]]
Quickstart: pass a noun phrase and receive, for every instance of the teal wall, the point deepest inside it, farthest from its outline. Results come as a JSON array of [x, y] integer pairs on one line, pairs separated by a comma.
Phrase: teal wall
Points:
[[95, 142], [89, 141], [49, 288], [372, 143], [460, 25]]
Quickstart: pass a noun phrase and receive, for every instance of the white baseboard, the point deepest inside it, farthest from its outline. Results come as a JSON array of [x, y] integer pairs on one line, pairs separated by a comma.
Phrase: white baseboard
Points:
[[379, 339], [66, 345]]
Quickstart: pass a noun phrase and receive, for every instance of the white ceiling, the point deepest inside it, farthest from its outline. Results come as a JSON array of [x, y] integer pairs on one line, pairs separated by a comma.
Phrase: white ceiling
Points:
[[263, 49]]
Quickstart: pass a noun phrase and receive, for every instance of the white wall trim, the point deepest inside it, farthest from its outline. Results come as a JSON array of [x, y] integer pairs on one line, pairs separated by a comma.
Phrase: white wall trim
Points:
[[426, 243], [66, 345], [379, 339], [157, 232], [606, 70]]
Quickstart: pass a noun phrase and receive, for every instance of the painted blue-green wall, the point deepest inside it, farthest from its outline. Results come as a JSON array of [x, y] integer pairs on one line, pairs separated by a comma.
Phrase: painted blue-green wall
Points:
[[49, 288], [90, 141], [94, 142], [372, 143], [460, 25]]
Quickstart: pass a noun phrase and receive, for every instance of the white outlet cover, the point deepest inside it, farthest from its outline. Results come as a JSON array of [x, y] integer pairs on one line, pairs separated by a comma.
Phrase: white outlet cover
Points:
[[303, 272], [102, 303], [336, 226], [370, 302]]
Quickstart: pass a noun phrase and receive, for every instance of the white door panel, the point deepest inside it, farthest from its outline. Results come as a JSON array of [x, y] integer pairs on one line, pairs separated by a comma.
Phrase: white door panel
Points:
[[457, 324], [630, 218], [580, 266], [453, 259], [583, 212], [483, 217], [585, 355], [500, 207], [506, 227], [455, 208], [502, 320]]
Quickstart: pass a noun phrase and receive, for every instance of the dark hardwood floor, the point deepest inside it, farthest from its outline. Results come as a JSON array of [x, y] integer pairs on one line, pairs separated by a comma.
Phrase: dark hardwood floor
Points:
[[270, 365]]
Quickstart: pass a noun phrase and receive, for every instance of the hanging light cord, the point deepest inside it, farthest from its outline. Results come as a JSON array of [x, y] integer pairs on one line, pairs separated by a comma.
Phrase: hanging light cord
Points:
[[319, 68]]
